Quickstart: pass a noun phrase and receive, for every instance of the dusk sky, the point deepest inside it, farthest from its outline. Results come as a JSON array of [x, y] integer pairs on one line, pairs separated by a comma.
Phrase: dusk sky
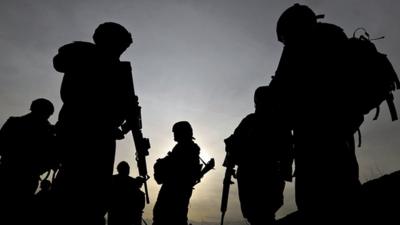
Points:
[[194, 60]]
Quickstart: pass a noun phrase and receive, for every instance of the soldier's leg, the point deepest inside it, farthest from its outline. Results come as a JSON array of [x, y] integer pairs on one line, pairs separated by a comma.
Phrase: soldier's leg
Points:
[[84, 180]]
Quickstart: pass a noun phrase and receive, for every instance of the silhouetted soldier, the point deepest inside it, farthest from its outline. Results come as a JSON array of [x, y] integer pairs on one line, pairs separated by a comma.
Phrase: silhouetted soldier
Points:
[[313, 97], [127, 200], [25, 149], [43, 204], [262, 149], [98, 97], [178, 172]]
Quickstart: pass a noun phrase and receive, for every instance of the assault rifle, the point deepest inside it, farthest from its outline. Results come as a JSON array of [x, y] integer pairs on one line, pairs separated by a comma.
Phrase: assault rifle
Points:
[[229, 173], [134, 123], [207, 167], [142, 146]]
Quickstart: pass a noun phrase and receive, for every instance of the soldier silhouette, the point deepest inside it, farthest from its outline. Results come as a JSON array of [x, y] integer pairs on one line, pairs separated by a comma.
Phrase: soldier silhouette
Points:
[[98, 98], [312, 96], [26, 145], [261, 147], [178, 172], [127, 200], [43, 204]]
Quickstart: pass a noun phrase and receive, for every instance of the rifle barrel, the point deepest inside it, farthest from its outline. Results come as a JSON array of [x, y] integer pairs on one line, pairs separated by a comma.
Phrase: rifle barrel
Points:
[[146, 192], [222, 218], [142, 145], [225, 191]]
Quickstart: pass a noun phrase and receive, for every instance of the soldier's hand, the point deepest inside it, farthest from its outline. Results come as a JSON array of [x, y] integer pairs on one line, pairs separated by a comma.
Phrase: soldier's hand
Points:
[[140, 181], [126, 127], [119, 134], [288, 174]]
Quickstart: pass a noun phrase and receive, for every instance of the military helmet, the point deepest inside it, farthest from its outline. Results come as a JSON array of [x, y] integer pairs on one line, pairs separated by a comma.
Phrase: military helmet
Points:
[[123, 168], [42, 106], [295, 21], [111, 33], [261, 94], [183, 128]]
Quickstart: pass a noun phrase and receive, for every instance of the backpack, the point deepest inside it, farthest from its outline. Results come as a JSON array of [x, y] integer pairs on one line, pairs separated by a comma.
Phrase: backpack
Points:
[[162, 169], [371, 76]]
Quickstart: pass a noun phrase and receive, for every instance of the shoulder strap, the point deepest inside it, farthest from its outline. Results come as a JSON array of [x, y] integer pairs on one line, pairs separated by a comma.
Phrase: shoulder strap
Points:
[[359, 137], [392, 108]]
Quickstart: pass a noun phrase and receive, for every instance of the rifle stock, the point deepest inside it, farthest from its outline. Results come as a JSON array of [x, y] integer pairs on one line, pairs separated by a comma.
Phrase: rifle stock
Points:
[[208, 166]]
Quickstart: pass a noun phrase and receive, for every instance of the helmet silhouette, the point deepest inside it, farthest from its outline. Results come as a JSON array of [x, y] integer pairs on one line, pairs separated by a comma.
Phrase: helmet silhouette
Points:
[[43, 107], [261, 94], [113, 37], [294, 22], [123, 168], [183, 129]]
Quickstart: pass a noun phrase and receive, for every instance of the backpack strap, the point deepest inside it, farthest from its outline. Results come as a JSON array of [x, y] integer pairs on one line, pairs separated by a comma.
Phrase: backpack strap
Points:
[[396, 82], [377, 111], [359, 137], [392, 107]]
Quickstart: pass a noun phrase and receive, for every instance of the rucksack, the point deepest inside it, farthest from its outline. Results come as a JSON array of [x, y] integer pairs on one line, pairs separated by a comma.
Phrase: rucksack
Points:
[[371, 76], [162, 169]]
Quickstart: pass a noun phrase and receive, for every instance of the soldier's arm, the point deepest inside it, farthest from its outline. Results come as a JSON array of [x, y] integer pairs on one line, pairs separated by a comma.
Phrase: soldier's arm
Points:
[[133, 114], [5, 132], [287, 156], [283, 84], [234, 143]]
